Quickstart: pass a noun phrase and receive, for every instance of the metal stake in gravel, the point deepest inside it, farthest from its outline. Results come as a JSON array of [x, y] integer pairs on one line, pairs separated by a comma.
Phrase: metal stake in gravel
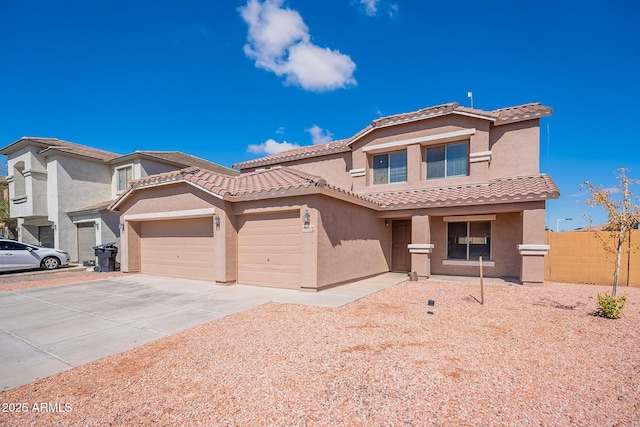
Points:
[[481, 283]]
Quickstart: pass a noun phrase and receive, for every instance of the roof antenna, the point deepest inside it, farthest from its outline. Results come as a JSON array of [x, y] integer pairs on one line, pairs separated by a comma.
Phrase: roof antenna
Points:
[[470, 96]]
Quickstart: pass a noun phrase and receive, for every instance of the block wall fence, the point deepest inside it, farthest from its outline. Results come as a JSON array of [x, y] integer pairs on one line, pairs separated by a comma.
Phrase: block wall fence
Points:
[[579, 257]]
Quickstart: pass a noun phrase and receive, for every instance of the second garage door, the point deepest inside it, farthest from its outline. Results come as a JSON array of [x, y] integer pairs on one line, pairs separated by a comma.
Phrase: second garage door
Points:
[[178, 248], [269, 250]]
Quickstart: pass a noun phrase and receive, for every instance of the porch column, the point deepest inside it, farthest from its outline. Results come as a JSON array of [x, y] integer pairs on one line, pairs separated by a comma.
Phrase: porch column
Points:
[[420, 246], [532, 250]]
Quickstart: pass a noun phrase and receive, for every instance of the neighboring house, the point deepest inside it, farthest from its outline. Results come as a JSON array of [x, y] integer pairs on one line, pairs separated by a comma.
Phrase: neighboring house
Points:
[[60, 191], [7, 225], [429, 191]]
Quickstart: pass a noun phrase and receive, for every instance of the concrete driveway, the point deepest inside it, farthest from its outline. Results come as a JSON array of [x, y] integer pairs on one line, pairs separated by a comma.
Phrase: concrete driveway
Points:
[[52, 329]]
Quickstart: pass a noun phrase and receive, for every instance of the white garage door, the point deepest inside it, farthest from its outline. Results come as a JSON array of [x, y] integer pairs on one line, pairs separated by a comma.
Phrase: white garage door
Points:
[[178, 248], [269, 250], [86, 241]]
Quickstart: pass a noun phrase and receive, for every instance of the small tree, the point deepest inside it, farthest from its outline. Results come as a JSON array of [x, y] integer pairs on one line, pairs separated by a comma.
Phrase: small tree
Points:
[[622, 215]]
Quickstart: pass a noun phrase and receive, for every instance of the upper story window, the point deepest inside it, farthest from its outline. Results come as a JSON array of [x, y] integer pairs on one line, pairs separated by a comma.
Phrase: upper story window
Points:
[[448, 160], [124, 175], [390, 168]]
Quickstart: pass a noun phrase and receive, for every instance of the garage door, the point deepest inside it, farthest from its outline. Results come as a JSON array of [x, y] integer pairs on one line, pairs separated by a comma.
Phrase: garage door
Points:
[[269, 250], [86, 241], [178, 248]]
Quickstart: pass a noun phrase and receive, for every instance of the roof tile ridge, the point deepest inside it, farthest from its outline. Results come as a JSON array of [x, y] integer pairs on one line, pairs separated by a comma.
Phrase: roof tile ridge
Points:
[[529, 104], [421, 110], [351, 193]]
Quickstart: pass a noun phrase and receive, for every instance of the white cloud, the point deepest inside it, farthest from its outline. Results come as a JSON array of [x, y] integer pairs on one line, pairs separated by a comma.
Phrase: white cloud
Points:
[[319, 135], [372, 7], [279, 41], [271, 146]]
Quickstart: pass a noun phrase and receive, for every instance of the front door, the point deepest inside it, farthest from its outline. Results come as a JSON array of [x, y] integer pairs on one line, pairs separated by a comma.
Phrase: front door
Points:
[[45, 236], [400, 239]]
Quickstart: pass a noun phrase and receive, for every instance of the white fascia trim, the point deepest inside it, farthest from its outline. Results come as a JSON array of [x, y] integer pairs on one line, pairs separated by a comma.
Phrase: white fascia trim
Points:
[[480, 156], [357, 172], [465, 218], [475, 116], [468, 263], [530, 249], [191, 213], [421, 140], [420, 248]]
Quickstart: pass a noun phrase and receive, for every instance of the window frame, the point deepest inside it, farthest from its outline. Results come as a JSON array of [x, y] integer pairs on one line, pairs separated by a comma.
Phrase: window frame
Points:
[[446, 160], [388, 167], [117, 177], [468, 238]]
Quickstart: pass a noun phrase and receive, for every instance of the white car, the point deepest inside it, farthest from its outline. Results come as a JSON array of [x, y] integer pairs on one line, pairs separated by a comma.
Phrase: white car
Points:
[[22, 256]]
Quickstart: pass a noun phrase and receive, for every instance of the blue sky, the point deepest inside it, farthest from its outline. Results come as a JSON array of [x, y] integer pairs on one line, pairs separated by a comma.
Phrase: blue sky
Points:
[[226, 80]]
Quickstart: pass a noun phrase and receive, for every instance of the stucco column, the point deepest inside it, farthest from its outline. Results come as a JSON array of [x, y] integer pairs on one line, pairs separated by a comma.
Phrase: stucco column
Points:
[[532, 250], [414, 168], [421, 245], [130, 247], [309, 249]]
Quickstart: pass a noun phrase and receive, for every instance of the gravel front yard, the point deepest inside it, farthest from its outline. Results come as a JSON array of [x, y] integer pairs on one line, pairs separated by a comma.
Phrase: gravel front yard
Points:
[[529, 356]]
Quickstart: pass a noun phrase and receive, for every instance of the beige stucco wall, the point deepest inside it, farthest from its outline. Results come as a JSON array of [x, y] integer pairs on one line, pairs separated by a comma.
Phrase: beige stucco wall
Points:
[[515, 150], [352, 242]]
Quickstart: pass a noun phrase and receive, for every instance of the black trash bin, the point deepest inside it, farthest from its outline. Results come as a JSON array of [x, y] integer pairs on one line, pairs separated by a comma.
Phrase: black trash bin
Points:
[[106, 257]]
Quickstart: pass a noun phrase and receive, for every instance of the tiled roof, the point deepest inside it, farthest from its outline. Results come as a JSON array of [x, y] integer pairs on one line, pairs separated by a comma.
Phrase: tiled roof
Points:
[[187, 160], [281, 181], [252, 185], [498, 117], [54, 144], [102, 206], [305, 152], [522, 112], [520, 189]]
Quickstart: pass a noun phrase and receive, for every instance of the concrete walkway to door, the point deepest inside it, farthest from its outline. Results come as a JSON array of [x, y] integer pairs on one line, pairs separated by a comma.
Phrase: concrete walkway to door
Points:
[[52, 329]]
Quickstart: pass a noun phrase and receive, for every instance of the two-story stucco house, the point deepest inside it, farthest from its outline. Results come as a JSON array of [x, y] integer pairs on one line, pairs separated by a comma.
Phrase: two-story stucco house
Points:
[[60, 191], [429, 191]]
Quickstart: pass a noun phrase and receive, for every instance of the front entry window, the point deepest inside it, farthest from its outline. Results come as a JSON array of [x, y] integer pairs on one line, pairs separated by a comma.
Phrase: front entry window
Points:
[[469, 240]]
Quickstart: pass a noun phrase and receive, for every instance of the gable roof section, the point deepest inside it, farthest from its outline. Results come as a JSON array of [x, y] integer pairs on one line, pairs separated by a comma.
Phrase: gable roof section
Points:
[[520, 189], [52, 145], [264, 184], [175, 158], [497, 117], [338, 146], [179, 159]]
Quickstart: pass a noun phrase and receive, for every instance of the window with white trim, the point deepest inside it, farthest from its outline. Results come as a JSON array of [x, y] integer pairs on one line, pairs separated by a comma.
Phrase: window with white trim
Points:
[[124, 176], [445, 161], [469, 240], [390, 168]]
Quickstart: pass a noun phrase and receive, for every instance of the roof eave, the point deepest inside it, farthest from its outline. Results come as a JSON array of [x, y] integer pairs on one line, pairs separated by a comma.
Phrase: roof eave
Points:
[[474, 202], [22, 142], [52, 151]]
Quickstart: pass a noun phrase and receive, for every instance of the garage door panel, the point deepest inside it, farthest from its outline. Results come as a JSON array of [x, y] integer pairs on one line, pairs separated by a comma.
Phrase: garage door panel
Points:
[[269, 250], [178, 248]]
